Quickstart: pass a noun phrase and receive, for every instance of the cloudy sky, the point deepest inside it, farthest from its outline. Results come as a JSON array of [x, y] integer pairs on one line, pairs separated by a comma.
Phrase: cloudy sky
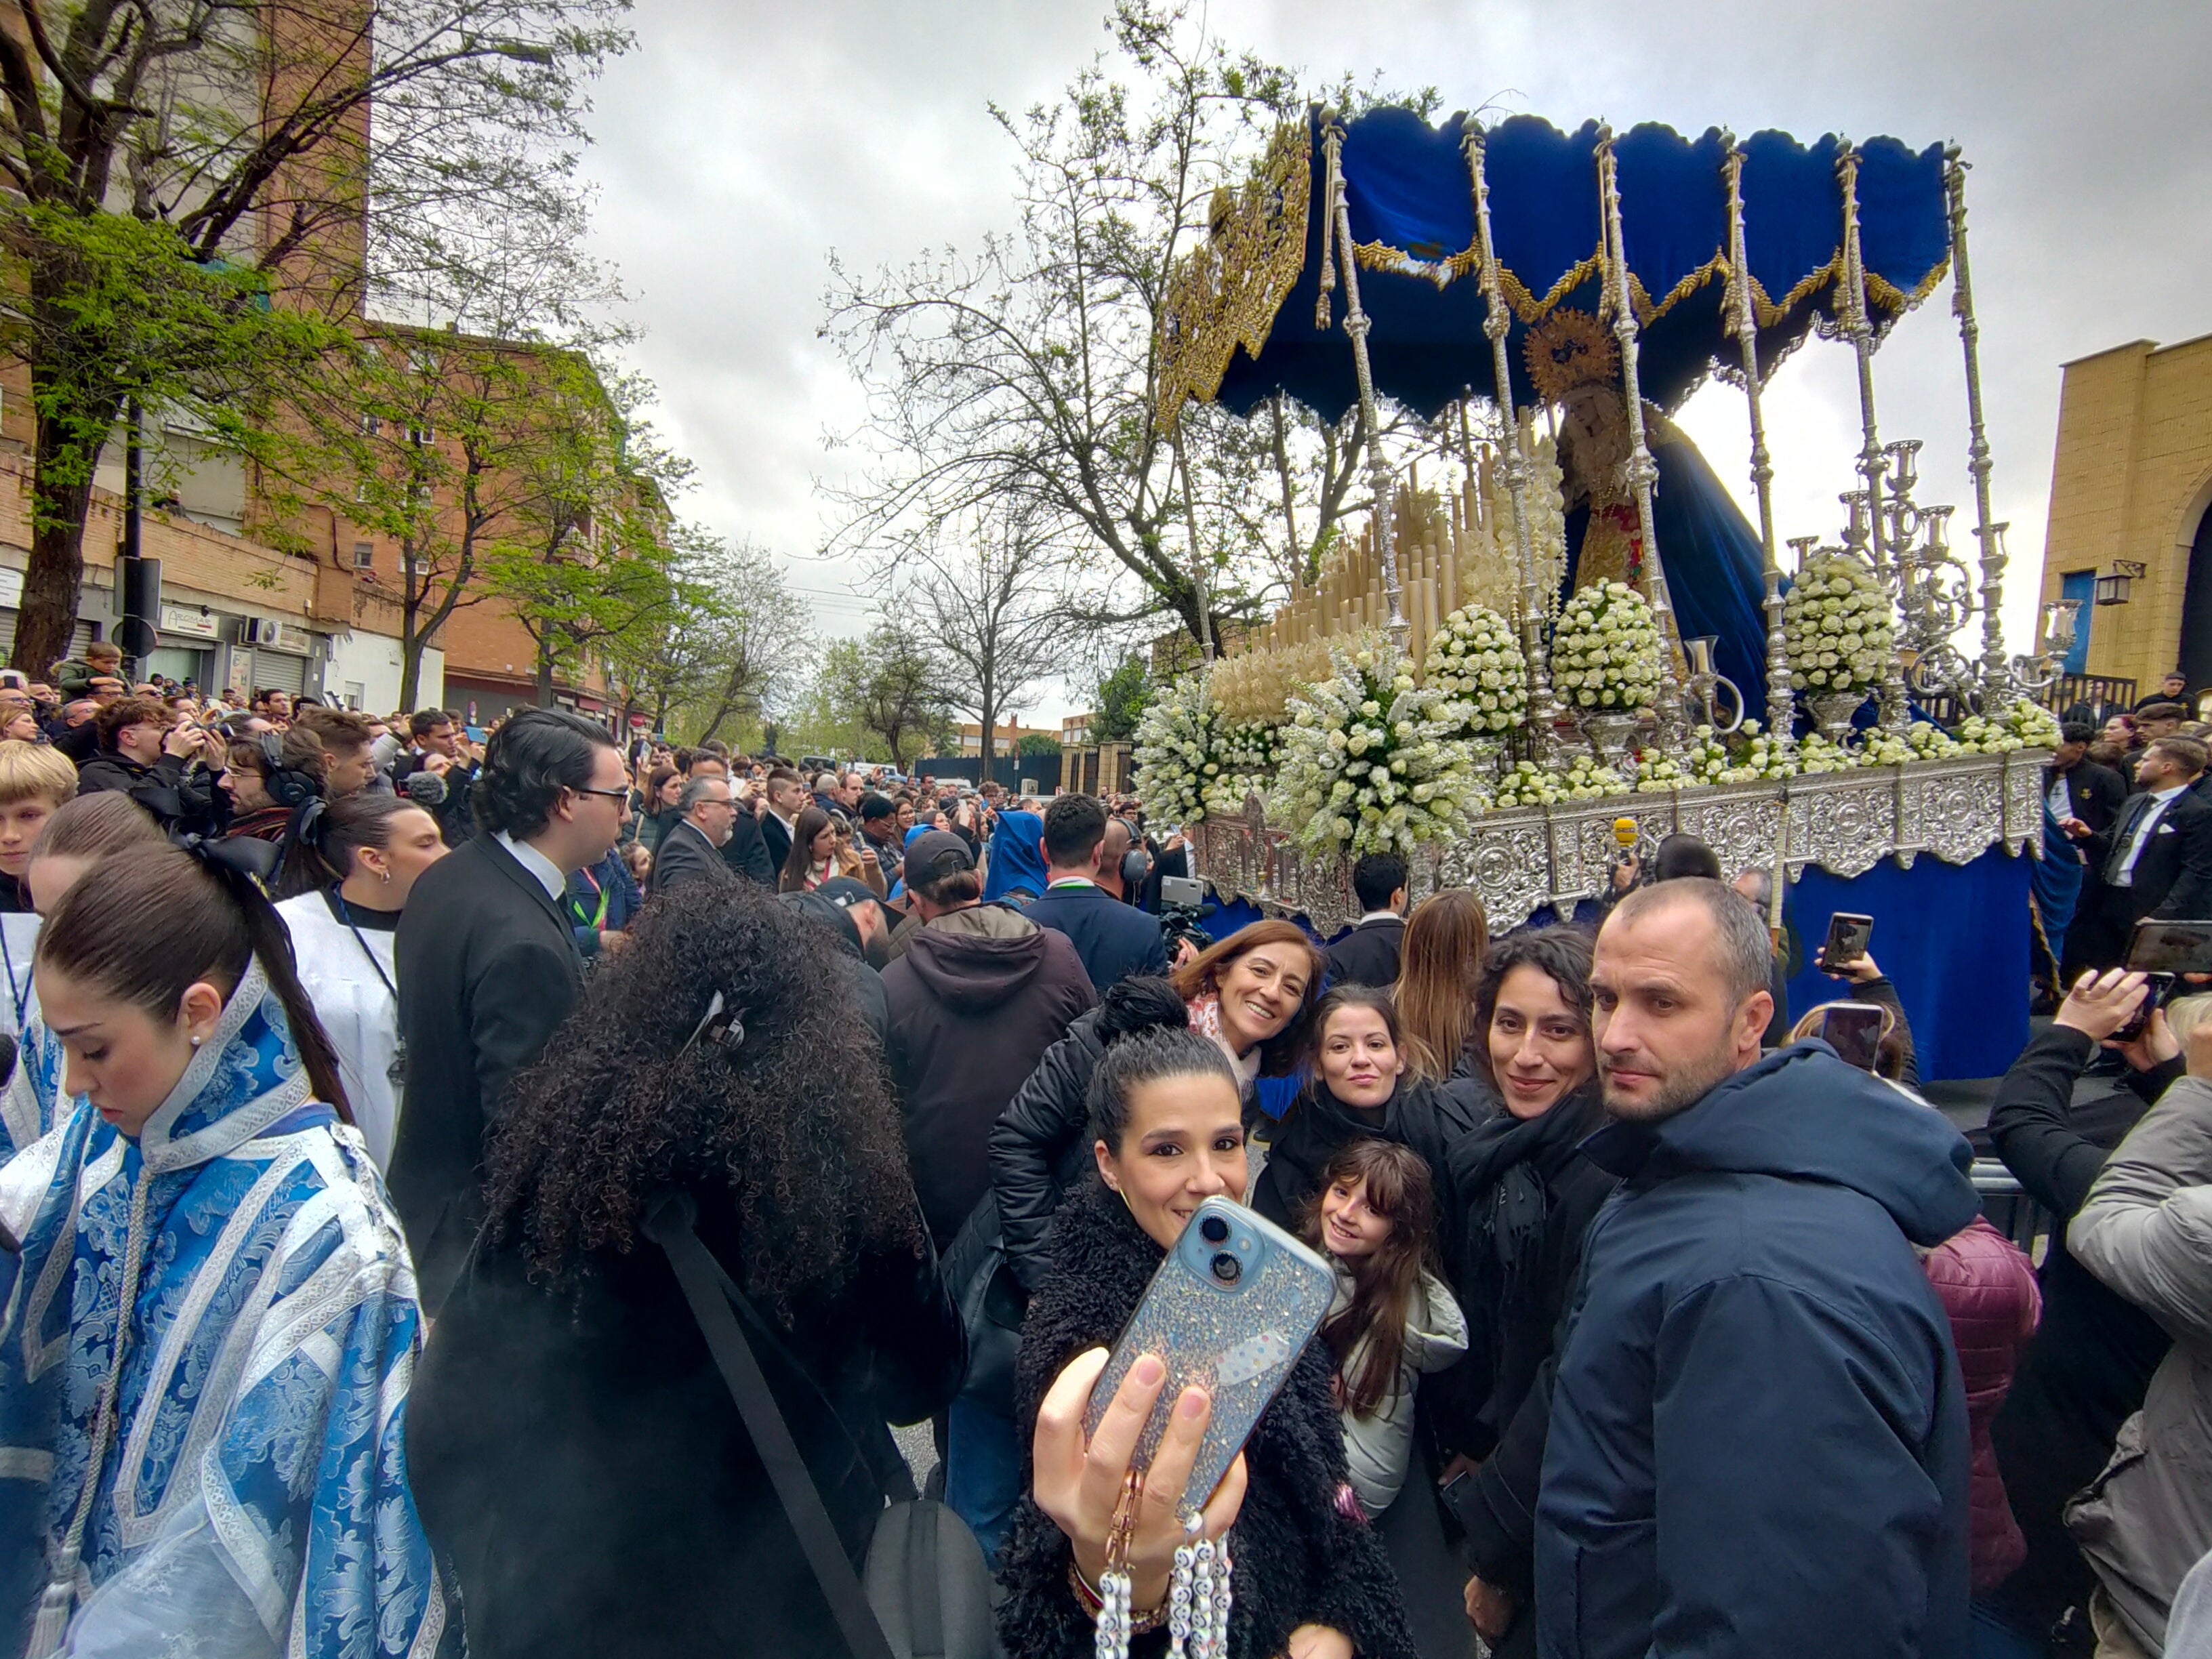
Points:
[[742, 142]]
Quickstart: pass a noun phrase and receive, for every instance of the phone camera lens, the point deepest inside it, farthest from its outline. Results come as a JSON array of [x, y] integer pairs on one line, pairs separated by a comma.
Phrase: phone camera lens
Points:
[[1227, 1268], [1213, 1230]]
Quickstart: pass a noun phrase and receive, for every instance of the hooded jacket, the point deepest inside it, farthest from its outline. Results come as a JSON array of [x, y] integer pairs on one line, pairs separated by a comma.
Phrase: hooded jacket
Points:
[[1379, 1447], [976, 999], [1297, 1556], [1758, 1440]]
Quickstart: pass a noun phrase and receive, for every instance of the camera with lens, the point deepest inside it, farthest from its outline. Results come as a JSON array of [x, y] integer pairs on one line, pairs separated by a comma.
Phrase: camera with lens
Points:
[[1183, 911]]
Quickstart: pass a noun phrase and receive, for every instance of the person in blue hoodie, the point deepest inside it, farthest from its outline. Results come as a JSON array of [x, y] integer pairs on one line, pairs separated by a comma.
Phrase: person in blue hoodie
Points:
[[1758, 1440]]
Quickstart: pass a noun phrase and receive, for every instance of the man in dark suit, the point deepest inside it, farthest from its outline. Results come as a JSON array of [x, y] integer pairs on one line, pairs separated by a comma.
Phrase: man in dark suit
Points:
[[438, 751], [787, 799], [1368, 955], [743, 851], [1113, 939], [488, 966], [2156, 860], [691, 850], [2080, 792]]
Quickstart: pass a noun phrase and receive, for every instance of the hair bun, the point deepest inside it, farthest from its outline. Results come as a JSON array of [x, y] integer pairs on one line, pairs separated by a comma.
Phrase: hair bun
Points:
[[1131, 1005]]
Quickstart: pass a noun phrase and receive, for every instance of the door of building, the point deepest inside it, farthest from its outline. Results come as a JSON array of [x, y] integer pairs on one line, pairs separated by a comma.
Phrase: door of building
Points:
[[2080, 585], [2197, 610]]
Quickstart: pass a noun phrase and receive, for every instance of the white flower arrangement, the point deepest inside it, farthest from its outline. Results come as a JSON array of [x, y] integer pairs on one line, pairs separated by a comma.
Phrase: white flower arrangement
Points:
[[1177, 753], [1473, 658], [1245, 752], [1372, 763], [1837, 627], [1755, 757], [1605, 654]]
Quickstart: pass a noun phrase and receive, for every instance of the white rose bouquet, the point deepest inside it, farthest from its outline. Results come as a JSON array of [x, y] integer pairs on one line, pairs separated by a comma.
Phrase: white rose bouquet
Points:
[[1835, 627], [1473, 658], [1754, 756], [1245, 751], [1177, 764], [1372, 763], [1605, 654]]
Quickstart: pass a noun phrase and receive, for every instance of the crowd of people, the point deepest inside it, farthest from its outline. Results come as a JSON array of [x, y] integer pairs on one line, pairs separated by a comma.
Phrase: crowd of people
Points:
[[502, 1195]]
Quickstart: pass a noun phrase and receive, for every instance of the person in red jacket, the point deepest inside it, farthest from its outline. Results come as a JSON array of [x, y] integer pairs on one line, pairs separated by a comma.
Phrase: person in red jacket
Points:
[[1988, 1290]]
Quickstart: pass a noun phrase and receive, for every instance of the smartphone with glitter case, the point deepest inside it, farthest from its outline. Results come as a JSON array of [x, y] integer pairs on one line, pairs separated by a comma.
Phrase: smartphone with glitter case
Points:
[[1231, 1308]]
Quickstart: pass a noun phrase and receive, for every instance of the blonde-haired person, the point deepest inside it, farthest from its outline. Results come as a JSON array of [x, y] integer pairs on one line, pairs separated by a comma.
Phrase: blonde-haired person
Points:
[[1438, 972], [35, 783]]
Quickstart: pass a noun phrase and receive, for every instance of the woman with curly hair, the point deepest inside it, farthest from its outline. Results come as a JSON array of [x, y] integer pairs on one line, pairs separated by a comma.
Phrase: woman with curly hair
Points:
[[586, 1468]]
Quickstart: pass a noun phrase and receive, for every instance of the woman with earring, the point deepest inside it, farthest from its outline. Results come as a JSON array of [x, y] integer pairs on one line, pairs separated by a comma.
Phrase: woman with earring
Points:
[[205, 1363], [1307, 1574], [365, 851]]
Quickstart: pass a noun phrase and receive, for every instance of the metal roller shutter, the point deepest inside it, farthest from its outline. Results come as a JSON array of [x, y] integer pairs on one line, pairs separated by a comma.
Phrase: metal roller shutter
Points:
[[279, 670]]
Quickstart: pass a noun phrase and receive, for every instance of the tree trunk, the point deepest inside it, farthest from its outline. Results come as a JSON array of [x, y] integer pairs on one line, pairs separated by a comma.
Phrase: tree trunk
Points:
[[55, 576], [410, 658], [545, 673]]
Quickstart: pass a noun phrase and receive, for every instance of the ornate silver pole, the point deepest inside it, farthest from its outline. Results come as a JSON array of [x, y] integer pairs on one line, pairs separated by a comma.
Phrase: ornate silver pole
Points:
[[1543, 710], [1997, 688], [1780, 706], [1643, 470], [1356, 324], [1874, 462]]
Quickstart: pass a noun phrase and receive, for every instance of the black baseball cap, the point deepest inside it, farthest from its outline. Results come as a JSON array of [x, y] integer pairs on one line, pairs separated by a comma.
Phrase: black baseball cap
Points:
[[844, 892], [937, 852]]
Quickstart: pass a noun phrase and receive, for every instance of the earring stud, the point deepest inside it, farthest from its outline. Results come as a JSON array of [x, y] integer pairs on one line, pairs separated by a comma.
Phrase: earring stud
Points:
[[196, 1042]]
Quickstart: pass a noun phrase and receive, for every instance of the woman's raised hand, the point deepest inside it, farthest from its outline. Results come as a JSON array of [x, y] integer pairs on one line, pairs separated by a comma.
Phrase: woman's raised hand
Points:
[[1079, 1484]]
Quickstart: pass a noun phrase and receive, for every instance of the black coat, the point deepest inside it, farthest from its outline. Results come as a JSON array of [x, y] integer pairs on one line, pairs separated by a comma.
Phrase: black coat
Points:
[[1368, 954], [776, 839], [1038, 1149], [2172, 877], [971, 1014], [1297, 1557], [1425, 1116], [1525, 1195], [745, 853], [685, 855], [577, 1456], [487, 967], [457, 819], [2094, 794], [2087, 1366], [179, 798], [1114, 939]]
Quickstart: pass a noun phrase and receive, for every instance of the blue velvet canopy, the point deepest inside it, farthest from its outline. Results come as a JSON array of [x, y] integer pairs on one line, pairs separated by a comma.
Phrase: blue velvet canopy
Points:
[[1410, 196]]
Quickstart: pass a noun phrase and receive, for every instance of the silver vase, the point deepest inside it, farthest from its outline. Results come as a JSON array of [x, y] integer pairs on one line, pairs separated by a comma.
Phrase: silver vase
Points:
[[1832, 712], [1609, 736]]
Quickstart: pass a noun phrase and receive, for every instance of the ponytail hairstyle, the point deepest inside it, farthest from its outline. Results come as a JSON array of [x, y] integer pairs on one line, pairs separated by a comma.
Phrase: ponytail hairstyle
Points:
[[1149, 1054], [93, 826], [330, 839], [1401, 1189], [146, 924]]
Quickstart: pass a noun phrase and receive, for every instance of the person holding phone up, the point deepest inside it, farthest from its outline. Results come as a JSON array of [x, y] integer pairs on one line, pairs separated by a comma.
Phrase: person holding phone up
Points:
[[1309, 1578]]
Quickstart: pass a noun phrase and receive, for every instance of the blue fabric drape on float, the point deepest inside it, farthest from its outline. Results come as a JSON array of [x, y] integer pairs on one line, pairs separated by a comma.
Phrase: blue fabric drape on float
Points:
[[2056, 881], [1953, 939], [1715, 568], [1410, 199]]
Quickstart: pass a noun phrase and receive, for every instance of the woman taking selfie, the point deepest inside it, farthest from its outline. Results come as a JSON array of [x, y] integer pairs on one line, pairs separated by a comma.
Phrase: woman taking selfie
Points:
[[580, 1454], [1249, 992], [363, 853], [1527, 1196], [1308, 1580], [214, 1295], [75, 838], [820, 853], [1358, 1085]]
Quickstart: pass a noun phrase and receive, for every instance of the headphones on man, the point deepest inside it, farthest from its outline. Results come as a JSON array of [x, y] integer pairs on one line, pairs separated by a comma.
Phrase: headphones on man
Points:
[[288, 785]]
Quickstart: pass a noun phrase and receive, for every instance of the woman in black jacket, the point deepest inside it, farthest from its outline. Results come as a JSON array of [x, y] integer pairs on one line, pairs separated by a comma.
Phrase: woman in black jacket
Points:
[[1308, 1577], [2089, 1364], [1526, 1194], [574, 1451], [1252, 992]]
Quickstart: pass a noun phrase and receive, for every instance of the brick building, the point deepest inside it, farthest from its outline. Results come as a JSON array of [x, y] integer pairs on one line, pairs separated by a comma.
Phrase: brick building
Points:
[[2132, 494]]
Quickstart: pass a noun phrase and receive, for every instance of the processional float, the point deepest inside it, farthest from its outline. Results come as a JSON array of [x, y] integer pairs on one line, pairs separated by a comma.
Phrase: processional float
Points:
[[1582, 285]]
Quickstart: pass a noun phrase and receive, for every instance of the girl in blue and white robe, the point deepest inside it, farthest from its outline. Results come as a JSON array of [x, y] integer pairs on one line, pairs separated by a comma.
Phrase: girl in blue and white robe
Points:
[[247, 1495]]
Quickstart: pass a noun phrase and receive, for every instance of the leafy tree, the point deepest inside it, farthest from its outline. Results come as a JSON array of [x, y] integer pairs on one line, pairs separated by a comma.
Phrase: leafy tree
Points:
[[173, 168], [1036, 745], [1120, 702], [888, 686]]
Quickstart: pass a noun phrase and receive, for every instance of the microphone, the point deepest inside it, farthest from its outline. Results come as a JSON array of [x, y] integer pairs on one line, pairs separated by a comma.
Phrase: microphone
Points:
[[1624, 832], [424, 789]]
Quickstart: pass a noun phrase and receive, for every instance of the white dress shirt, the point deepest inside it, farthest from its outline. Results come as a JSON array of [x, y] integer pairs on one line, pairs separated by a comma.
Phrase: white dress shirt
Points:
[[548, 873], [2146, 827]]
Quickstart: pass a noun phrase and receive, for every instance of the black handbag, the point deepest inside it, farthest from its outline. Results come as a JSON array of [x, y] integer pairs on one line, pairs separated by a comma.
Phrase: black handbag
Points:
[[925, 1592]]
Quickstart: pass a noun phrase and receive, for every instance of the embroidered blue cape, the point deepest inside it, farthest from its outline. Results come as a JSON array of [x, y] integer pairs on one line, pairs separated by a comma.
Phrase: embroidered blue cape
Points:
[[249, 1496]]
